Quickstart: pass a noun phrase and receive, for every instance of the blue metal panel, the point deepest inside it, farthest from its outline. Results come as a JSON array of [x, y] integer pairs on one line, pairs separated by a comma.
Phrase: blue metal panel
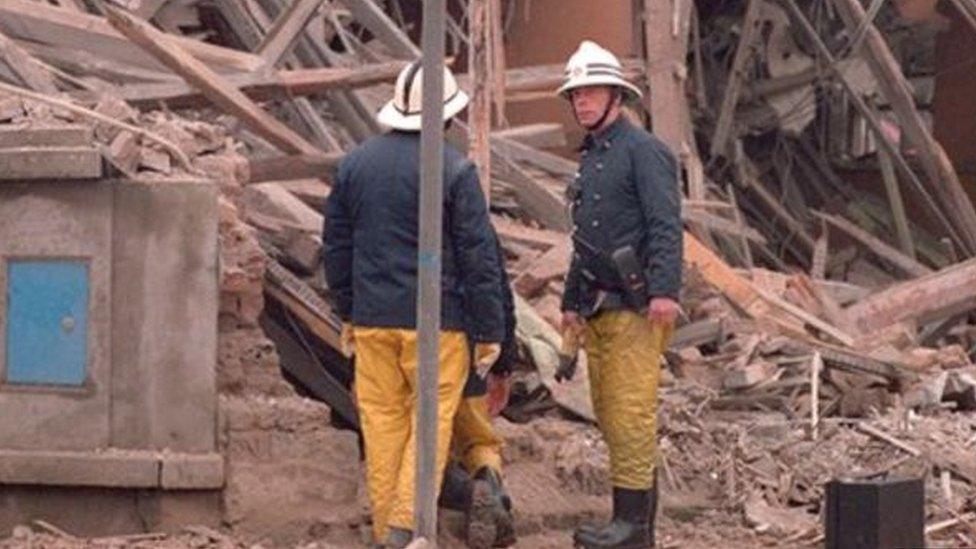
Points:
[[47, 322]]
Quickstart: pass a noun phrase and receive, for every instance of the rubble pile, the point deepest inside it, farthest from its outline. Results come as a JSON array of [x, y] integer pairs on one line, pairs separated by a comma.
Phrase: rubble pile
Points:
[[828, 324]]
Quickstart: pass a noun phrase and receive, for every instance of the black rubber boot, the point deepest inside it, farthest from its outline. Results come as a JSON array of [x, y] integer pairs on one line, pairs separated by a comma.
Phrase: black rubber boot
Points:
[[490, 522], [398, 538], [456, 489], [629, 527], [652, 513]]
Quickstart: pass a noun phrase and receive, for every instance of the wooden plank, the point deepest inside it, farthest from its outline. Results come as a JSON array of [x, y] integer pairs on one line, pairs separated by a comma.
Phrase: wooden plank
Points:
[[902, 229], [224, 96], [148, 8], [716, 223], [717, 273], [50, 163], [25, 67], [314, 312], [46, 24], [549, 266], [262, 86], [371, 16], [877, 246], [539, 136], [286, 29], [82, 62], [931, 297], [549, 162], [294, 167], [743, 53], [539, 239], [943, 181]]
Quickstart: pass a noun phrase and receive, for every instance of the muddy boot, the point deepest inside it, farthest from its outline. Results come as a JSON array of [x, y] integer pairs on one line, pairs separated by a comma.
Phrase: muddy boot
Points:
[[490, 522], [629, 527], [398, 538], [652, 513], [456, 489]]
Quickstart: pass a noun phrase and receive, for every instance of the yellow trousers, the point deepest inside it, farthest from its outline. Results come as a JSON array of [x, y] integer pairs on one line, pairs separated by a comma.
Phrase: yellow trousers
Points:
[[475, 443], [386, 392], [624, 361]]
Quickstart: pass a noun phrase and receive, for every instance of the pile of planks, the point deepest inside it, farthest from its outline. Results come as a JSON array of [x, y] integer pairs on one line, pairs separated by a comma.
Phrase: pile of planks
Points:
[[805, 294]]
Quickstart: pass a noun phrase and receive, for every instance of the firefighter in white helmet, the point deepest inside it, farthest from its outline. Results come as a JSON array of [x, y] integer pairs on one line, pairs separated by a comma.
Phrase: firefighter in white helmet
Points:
[[370, 255], [623, 283]]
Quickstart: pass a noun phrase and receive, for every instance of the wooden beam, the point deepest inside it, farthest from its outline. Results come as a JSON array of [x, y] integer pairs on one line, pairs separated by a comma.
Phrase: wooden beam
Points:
[[877, 246], [890, 179], [539, 136], [224, 96], [371, 16], [743, 52], [294, 167], [479, 111], [25, 67], [46, 24], [109, 70], [716, 272], [266, 86], [925, 299], [286, 29], [148, 8], [943, 180], [717, 223]]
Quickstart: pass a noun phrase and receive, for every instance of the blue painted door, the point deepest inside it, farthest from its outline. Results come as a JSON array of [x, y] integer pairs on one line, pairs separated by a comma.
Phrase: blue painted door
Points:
[[47, 322]]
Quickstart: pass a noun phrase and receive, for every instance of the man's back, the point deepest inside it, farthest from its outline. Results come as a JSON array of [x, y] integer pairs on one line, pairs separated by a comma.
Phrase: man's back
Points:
[[374, 209]]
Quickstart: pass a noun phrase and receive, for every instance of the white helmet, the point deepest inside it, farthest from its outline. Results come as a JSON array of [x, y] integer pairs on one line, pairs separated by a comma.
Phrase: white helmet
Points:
[[592, 65], [403, 111]]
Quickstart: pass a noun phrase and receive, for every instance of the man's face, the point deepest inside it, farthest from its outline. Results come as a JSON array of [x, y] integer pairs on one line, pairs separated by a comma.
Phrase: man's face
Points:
[[590, 102]]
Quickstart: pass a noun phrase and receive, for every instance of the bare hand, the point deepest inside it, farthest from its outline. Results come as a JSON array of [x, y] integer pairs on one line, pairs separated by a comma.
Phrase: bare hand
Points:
[[571, 321], [498, 391], [662, 310]]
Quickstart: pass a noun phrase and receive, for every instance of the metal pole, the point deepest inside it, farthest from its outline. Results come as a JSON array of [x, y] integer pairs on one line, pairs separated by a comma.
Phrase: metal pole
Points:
[[429, 265]]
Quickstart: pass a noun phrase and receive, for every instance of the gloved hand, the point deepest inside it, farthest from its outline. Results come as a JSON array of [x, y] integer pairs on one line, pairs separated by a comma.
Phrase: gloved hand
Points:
[[347, 343], [568, 354], [485, 355]]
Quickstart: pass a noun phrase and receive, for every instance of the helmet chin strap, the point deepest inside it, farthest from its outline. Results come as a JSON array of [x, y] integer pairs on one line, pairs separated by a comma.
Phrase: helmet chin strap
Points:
[[603, 118]]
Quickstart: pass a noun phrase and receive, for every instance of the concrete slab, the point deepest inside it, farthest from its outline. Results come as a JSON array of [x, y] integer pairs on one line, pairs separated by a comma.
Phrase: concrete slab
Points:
[[105, 469], [69, 135], [192, 471], [50, 163]]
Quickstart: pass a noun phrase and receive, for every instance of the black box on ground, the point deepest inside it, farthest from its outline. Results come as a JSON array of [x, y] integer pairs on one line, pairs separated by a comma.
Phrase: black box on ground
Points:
[[875, 514]]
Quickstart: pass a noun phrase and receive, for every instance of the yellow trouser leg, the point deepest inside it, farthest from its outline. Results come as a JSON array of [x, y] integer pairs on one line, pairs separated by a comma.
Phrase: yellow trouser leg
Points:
[[624, 361], [454, 366], [384, 398], [475, 440]]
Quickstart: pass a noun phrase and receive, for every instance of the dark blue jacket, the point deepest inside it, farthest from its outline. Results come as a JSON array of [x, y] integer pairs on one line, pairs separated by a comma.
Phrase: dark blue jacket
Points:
[[626, 193], [371, 241], [476, 386]]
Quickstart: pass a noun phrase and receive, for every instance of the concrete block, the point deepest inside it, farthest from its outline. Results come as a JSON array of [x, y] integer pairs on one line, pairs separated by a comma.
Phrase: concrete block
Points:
[[68, 468], [67, 135], [165, 316], [50, 163], [192, 471], [60, 220]]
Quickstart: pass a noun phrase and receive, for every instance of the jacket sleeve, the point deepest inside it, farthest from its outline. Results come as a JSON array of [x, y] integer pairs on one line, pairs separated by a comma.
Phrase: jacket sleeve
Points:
[[509, 355], [656, 178], [571, 292], [337, 245], [475, 251]]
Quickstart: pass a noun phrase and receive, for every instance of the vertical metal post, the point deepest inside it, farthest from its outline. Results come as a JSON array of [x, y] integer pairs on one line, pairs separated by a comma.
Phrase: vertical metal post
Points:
[[429, 266]]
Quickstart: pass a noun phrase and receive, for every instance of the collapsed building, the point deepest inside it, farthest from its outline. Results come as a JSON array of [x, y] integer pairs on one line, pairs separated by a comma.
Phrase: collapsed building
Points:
[[165, 164]]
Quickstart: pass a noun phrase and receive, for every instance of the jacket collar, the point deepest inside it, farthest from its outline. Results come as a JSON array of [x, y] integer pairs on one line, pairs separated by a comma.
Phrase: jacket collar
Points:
[[605, 136]]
